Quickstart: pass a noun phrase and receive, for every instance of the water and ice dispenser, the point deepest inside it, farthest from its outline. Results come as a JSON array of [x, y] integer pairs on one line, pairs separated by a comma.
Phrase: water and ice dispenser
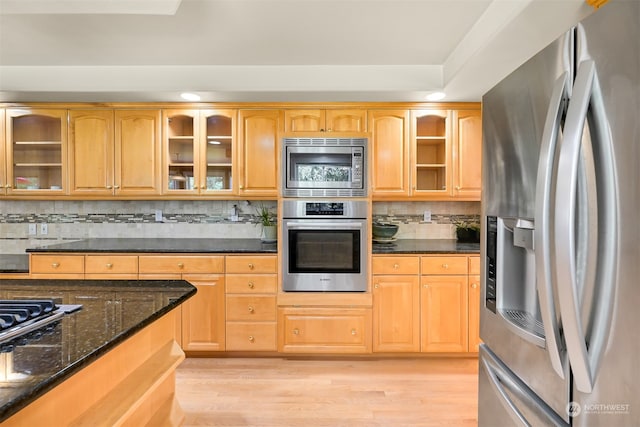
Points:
[[511, 276]]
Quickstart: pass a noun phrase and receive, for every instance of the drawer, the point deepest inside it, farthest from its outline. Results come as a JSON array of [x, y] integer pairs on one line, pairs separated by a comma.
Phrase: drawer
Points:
[[474, 265], [444, 265], [57, 264], [111, 264], [251, 283], [250, 336], [319, 330], [396, 265], [181, 264], [251, 307], [251, 264]]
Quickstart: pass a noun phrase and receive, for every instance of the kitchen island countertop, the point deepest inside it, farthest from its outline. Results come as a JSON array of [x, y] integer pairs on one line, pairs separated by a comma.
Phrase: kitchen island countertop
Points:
[[67, 346]]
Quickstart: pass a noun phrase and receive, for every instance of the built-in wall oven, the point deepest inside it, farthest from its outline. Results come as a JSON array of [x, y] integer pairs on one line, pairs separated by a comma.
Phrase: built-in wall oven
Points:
[[324, 245], [324, 167]]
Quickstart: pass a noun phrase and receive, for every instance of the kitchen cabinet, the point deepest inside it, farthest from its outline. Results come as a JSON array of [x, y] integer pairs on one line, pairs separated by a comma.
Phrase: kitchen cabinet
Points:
[[396, 303], [389, 153], [444, 304], [34, 158], [4, 185], [339, 330], [199, 152], [56, 266], [467, 154], [114, 153], [259, 152], [318, 120], [202, 324], [474, 303], [251, 287], [430, 153], [112, 267]]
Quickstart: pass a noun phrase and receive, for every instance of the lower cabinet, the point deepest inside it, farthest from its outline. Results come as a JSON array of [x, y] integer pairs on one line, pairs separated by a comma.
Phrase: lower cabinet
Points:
[[443, 315], [203, 315], [338, 330]]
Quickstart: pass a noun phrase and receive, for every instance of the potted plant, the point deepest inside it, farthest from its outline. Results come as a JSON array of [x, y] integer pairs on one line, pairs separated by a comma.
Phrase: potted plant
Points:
[[467, 231], [268, 221]]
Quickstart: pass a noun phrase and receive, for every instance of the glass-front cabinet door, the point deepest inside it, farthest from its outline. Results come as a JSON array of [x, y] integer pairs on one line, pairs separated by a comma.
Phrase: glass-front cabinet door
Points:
[[198, 151], [36, 142], [431, 153]]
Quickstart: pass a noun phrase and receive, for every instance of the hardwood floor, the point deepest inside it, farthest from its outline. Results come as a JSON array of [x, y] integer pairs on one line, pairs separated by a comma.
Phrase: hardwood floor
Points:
[[269, 392]]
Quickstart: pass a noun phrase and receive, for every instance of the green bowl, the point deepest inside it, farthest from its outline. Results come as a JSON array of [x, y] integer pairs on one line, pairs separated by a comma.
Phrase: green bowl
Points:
[[385, 231]]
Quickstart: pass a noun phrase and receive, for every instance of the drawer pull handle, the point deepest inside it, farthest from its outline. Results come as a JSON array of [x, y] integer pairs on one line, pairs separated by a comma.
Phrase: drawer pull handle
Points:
[[251, 309], [251, 339], [354, 332], [251, 266], [180, 265], [251, 285], [296, 331], [445, 266], [396, 266], [55, 265], [109, 265]]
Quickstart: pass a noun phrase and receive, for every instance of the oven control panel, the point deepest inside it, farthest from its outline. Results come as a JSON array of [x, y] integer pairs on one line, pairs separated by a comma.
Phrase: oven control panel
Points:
[[324, 208]]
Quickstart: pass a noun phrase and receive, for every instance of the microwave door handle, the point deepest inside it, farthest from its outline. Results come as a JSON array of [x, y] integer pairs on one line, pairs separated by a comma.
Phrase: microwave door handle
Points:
[[585, 362], [542, 238]]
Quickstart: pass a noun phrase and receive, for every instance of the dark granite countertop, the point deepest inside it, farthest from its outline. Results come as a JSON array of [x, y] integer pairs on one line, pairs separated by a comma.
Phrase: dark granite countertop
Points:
[[426, 246], [14, 263], [71, 343], [167, 245]]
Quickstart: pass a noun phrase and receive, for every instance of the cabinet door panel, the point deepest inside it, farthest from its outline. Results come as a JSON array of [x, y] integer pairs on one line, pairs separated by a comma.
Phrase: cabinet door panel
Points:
[[251, 307], [203, 316], [467, 155], [444, 311], [258, 151], [251, 264], [304, 120], [389, 153], [250, 336], [137, 152], [396, 313], [91, 152], [346, 121]]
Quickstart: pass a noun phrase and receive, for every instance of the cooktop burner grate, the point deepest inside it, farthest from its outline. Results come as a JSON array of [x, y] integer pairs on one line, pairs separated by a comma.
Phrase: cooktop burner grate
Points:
[[18, 317]]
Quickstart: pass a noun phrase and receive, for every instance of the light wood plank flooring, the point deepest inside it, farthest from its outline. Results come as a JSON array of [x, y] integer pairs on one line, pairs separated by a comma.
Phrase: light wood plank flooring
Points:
[[333, 393]]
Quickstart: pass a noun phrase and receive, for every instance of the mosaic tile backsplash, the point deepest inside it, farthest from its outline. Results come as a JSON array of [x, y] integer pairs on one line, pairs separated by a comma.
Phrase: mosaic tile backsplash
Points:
[[76, 220]]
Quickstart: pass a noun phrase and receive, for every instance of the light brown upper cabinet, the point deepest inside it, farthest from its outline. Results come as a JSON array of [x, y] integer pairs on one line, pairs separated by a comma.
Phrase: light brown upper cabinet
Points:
[[467, 154], [199, 151], [430, 153], [258, 152], [34, 158], [114, 153], [389, 152], [325, 121]]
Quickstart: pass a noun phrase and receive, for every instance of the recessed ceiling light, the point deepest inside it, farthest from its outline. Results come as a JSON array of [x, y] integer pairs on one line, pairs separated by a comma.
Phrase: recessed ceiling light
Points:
[[188, 96], [435, 96]]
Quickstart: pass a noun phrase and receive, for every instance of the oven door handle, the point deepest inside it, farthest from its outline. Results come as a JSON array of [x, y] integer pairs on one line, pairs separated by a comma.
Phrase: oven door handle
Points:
[[322, 225]]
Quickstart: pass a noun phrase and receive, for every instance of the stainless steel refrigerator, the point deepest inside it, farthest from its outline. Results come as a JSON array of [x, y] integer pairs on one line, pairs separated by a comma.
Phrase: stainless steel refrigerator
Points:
[[560, 310]]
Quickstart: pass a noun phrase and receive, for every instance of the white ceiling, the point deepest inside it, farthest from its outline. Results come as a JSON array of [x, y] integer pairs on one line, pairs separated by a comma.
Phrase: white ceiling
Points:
[[269, 50]]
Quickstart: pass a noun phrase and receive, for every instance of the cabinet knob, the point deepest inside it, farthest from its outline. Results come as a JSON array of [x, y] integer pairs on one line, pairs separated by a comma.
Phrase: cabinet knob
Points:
[[116, 186], [296, 331], [425, 286], [458, 187], [251, 266], [354, 332], [55, 265], [474, 285], [396, 266], [251, 309], [109, 265], [195, 187], [376, 286], [109, 187], [251, 339], [241, 186], [445, 266], [7, 186], [251, 285], [180, 265]]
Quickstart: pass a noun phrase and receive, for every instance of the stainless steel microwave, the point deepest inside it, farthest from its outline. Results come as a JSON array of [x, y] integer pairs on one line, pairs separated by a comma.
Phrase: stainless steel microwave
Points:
[[324, 167]]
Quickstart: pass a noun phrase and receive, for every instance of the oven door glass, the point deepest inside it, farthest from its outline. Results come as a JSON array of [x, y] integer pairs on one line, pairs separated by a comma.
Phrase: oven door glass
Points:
[[324, 251]]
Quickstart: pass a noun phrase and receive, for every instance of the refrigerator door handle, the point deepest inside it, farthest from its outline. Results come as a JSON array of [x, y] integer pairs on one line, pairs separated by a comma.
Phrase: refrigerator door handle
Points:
[[586, 345], [542, 236]]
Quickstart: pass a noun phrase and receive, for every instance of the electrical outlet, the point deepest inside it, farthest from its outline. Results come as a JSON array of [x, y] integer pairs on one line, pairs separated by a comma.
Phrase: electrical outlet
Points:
[[44, 229], [158, 215], [427, 216], [33, 229]]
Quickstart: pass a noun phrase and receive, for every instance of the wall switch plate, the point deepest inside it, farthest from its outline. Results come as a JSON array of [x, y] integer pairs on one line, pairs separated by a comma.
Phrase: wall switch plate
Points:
[[158, 215], [33, 229], [427, 216], [44, 229]]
